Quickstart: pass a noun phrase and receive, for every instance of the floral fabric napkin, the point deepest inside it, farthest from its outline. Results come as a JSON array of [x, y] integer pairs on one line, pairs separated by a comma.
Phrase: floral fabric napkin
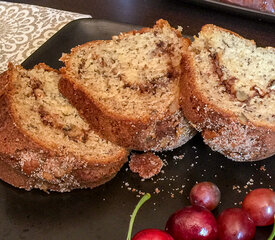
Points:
[[24, 28]]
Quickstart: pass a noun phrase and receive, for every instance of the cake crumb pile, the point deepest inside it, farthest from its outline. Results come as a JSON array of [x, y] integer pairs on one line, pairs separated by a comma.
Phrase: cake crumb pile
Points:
[[146, 164]]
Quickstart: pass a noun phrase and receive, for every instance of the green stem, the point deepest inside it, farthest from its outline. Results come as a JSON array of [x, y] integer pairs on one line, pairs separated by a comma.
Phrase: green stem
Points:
[[140, 203], [273, 231]]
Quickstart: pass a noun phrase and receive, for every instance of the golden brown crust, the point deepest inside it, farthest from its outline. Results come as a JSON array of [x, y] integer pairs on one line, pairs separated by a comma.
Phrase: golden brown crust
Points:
[[159, 24], [16, 178], [45, 67], [28, 164], [4, 82], [238, 139], [228, 113], [210, 27], [132, 134], [150, 133]]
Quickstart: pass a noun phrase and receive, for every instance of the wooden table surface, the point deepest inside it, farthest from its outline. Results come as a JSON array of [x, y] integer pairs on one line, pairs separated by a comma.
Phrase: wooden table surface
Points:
[[178, 12]]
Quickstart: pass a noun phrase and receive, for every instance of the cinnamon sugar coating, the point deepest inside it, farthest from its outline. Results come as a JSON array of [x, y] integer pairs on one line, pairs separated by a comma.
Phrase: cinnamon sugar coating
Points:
[[128, 87], [227, 93], [44, 142]]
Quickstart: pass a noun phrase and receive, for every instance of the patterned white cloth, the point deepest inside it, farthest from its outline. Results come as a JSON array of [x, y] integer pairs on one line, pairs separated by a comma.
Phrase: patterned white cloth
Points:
[[24, 28]]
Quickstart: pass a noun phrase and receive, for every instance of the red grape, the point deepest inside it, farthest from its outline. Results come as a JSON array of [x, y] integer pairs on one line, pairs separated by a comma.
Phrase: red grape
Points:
[[205, 194], [260, 204], [235, 224], [192, 222], [152, 234]]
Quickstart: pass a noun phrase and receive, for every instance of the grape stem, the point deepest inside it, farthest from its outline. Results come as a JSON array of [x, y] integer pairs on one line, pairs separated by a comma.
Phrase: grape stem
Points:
[[146, 197], [273, 232]]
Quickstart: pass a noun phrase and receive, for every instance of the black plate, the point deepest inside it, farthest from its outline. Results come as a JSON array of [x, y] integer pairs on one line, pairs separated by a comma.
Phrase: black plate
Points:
[[104, 212], [255, 14]]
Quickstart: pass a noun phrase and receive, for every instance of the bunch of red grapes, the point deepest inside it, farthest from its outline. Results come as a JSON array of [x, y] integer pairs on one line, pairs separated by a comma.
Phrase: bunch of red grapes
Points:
[[196, 222]]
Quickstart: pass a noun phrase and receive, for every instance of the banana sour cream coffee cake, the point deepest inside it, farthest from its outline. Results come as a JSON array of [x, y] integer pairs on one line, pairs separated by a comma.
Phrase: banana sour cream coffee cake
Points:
[[127, 88], [141, 90], [44, 143], [228, 93]]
